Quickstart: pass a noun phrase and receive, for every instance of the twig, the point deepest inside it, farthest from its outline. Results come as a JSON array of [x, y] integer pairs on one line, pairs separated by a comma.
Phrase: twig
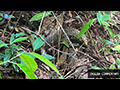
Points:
[[41, 22], [64, 32]]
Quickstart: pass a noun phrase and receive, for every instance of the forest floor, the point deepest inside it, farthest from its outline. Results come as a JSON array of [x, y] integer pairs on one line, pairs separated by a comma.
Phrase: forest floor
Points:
[[87, 56]]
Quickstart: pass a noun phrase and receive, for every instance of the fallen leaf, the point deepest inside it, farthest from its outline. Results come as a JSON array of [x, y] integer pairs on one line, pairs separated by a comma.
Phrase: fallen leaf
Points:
[[70, 13]]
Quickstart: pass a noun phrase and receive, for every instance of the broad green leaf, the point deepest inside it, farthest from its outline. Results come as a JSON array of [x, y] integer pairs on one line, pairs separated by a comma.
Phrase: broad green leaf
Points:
[[39, 16], [46, 61], [20, 34], [27, 71], [86, 27], [29, 62], [38, 43], [7, 57], [112, 66], [112, 33], [108, 42], [12, 38], [96, 68], [19, 39], [64, 42], [49, 57], [116, 47], [118, 61], [2, 44], [107, 50], [30, 55], [105, 17]]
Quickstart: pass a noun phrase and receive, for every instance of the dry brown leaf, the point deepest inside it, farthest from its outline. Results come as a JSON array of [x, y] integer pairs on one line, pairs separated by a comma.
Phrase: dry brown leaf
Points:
[[70, 13]]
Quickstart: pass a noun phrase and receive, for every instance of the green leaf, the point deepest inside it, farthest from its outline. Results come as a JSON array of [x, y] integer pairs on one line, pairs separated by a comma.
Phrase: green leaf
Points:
[[15, 67], [1, 18], [112, 66], [29, 62], [99, 17], [46, 61], [12, 16], [102, 47], [38, 43], [1, 63], [49, 57], [118, 66], [105, 23], [86, 27], [64, 42], [116, 47], [39, 16], [112, 33], [19, 39], [2, 44], [2, 55], [20, 34], [27, 71], [108, 42], [0, 76], [61, 77], [118, 61], [12, 38], [105, 17], [0, 14], [107, 50], [112, 12], [118, 35], [7, 57], [33, 35], [96, 68], [13, 48]]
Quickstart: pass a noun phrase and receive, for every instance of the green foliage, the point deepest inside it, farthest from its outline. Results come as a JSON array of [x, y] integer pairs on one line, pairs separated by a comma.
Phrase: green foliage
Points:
[[27, 71], [29, 62], [102, 18], [38, 43], [46, 61], [65, 43], [26, 61], [10, 51], [40, 15], [112, 66], [96, 68], [0, 76], [49, 57], [112, 33], [86, 27]]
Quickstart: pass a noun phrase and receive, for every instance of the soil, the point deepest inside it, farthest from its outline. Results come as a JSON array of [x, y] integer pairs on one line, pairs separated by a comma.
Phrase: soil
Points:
[[86, 57]]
